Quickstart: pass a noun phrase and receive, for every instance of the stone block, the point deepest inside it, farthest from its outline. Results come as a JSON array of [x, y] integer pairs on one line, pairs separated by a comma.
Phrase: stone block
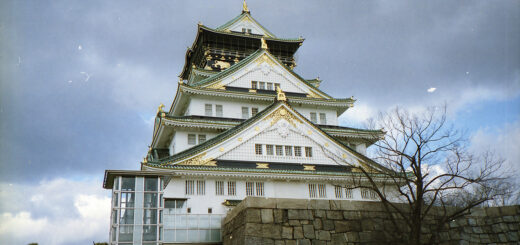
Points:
[[259, 202], [272, 231], [319, 242], [258, 241], [290, 242], [253, 229], [298, 232], [512, 236], [300, 214], [335, 204], [285, 203], [350, 215], [340, 238], [352, 236], [317, 224], [323, 235], [308, 231], [367, 225], [365, 236], [345, 226], [328, 225], [267, 215], [319, 204], [287, 232], [279, 215], [334, 214], [253, 215], [508, 218], [304, 242], [279, 242], [294, 222], [319, 213]]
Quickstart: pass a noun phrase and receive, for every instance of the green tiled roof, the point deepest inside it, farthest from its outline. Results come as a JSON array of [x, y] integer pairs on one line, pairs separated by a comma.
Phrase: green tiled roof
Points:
[[246, 61], [238, 18]]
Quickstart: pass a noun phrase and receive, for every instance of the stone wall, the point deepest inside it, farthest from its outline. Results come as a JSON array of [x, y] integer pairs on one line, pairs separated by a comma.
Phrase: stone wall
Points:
[[300, 221]]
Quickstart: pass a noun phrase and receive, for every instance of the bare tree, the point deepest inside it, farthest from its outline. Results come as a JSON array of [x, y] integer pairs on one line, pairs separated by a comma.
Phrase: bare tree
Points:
[[429, 171]]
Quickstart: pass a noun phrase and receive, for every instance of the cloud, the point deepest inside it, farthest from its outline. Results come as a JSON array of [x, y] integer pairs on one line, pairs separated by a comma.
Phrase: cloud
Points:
[[431, 90], [57, 211]]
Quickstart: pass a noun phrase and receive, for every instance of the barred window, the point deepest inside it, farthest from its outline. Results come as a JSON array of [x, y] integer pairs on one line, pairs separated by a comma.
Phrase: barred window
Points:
[[255, 188], [288, 150], [250, 189], [269, 86], [258, 149], [254, 111], [232, 188], [218, 110], [269, 149], [308, 151], [348, 192], [297, 151], [208, 110], [312, 191], [323, 118], [364, 193], [322, 190], [202, 138], [260, 189], [279, 150], [219, 188], [245, 112], [338, 190], [261, 85], [254, 85], [201, 187], [313, 117], [189, 187], [192, 139]]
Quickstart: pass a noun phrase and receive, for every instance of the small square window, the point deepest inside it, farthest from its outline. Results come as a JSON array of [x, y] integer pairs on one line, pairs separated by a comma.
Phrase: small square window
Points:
[[210, 210], [279, 150], [258, 149], [269, 149], [269, 86], [249, 31], [188, 210], [261, 85], [323, 118], [244, 30], [254, 85], [219, 111], [245, 112], [254, 111], [308, 151], [297, 151], [314, 119], [202, 138], [276, 85], [288, 150], [208, 110], [192, 140]]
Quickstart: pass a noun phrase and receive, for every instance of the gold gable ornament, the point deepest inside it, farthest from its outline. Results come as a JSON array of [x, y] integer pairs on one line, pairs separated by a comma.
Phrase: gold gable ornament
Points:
[[199, 161], [280, 95], [160, 110], [244, 7], [264, 43]]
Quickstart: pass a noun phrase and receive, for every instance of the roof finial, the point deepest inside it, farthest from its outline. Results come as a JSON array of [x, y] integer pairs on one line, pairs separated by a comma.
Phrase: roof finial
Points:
[[280, 95], [244, 7], [160, 109], [264, 44]]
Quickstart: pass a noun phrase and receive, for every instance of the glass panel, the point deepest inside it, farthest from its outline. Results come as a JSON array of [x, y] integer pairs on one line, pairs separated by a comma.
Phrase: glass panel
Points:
[[150, 216], [181, 236], [215, 235], [150, 184], [115, 198], [128, 184], [245, 112], [149, 233], [116, 183], [192, 139], [202, 138], [150, 200], [193, 235], [180, 221], [160, 216], [126, 216], [169, 203], [114, 216], [114, 234], [215, 222], [127, 199], [205, 235], [162, 183], [204, 222], [169, 235], [192, 222], [126, 233], [219, 110], [180, 206], [208, 110], [160, 233]]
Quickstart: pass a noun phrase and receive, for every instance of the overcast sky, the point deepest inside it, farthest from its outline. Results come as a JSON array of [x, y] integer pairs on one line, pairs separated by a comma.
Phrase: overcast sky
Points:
[[81, 81]]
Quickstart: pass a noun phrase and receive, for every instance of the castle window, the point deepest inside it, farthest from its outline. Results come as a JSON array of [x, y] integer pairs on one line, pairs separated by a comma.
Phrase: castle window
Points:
[[208, 108], [308, 151], [245, 112], [276, 85], [269, 86], [261, 85], [210, 210], [250, 189], [219, 188], [254, 111], [297, 151], [219, 111], [322, 190], [279, 150], [258, 149], [288, 150], [244, 30], [249, 31], [269, 150], [254, 85], [338, 190], [192, 139], [313, 117], [348, 192], [189, 189], [323, 118], [202, 138], [260, 189], [232, 188], [255, 188], [201, 187], [312, 191]]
